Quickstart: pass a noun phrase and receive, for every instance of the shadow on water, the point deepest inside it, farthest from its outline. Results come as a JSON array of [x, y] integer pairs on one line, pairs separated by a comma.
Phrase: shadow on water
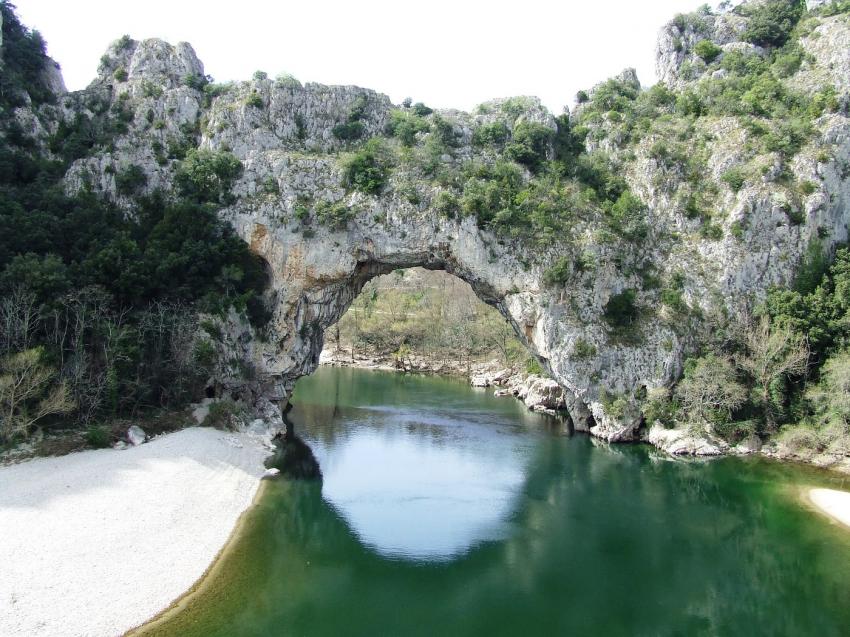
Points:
[[599, 541], [293, 458]]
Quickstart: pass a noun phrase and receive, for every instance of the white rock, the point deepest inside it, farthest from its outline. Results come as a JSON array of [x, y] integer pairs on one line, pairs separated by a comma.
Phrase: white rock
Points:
[[136, 435]]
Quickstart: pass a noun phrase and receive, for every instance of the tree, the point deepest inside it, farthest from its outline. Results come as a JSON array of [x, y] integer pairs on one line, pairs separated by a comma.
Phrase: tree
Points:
[[773, 353], [206, 176], [710, 391], [771, 22], [831, 396], [27, 393], [368, 169]]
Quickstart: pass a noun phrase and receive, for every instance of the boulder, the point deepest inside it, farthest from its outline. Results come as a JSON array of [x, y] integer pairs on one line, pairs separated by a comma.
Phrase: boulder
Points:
[[136, 435], [544, 394], [681, 442]]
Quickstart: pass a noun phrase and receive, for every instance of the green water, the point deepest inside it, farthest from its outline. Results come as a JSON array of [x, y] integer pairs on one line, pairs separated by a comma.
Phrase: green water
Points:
[[446, 511]]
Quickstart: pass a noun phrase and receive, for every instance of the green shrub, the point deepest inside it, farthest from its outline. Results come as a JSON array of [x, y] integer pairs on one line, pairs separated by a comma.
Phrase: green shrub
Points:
[[149, 89], [559, 273], [660, 407], [287, 80], [493, 134], [223, 414], [97, 436], [621, 310], [447, 204], [335, 215], [130, 180], [405, 126], [255, 100], [772, 22], [707, 50], [530, 144], [583, 350], [353, 128], [627, 217], [120, 74], [421, 110], [207, 176], [196, 81], [734, 178], [808, 187], [349, 131], [368, 169], [270, 186], [532, 366]]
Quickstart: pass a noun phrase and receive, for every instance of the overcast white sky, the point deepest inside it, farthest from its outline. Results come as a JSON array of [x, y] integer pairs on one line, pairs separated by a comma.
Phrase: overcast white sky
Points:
[[446, 53]]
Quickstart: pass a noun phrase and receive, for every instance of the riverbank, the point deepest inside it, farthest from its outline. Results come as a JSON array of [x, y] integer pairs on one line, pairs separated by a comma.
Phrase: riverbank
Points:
[[539, 394], [101, 541]]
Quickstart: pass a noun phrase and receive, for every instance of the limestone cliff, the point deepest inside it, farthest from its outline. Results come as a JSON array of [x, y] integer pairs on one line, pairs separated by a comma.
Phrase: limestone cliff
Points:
[[323, 239]]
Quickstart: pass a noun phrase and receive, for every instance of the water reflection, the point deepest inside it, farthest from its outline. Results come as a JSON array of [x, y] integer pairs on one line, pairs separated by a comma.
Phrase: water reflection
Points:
[[590, 540], [418, 484]]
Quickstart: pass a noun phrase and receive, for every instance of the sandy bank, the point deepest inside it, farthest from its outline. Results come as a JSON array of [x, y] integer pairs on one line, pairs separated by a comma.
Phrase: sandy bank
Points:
[[97, 542], [835, 504]]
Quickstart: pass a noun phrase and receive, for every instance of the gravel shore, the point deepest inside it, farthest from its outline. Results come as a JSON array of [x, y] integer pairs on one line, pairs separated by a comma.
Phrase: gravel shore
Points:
[[97, 542]]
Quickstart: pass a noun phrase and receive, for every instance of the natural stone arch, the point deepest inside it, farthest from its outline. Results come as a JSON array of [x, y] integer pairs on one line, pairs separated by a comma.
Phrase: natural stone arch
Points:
[[316, 277], [285, 136]]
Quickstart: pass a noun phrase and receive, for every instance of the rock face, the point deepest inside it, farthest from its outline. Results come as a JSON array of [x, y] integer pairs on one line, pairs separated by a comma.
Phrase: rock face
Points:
[[283, 133]]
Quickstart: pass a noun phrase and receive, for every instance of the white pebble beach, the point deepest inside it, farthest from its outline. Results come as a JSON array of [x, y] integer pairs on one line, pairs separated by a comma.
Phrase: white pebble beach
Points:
[[835, 504], [97, 542]]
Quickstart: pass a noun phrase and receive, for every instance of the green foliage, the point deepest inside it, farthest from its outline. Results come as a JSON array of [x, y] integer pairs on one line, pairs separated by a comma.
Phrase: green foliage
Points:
[[206, 176], [368, 169], [254, 100], [533, 367], [627, 217], [353, 128], [335, 215], [529, 145], [660, 407], [421, 110], [447, 204], [559, 273], [120, 74], [196, 81], [621, 311], [405, 126], [349, 131], [444, 131], [734, 178], [583, 350], [287, 80], [97, 436], [150, 89], [709, 393], [772, 22], [129, 180], [223, 414], [24, 62], [270, 186], [492, 134], [707, 50], [672, 296]]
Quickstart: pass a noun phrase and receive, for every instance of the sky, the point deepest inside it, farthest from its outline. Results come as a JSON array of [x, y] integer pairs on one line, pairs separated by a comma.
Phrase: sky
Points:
[[446, 53]]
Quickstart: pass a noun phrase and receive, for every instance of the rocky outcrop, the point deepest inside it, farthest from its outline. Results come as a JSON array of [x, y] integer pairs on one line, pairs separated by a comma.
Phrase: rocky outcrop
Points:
[[283, 133]]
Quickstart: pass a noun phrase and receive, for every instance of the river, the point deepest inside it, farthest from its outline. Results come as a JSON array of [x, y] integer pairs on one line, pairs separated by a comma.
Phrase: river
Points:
[[446, 511]]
